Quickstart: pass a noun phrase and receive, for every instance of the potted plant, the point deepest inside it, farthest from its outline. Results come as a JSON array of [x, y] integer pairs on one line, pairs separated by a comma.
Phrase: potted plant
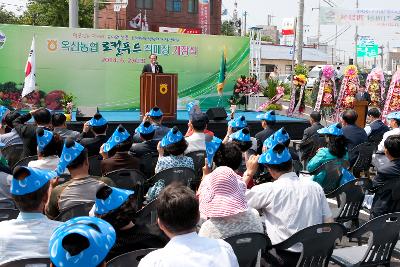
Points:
[[68, 104]]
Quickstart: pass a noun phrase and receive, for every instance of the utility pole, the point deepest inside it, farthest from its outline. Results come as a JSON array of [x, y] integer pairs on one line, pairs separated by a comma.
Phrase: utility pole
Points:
[[300, 28], [245, 24], [319, 23], [356, 40], [95, 14], [381, 54], [73, 13]]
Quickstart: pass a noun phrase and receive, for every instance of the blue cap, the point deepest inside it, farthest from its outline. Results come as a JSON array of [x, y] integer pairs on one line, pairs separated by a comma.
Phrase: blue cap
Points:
[[113, 201], [43, 138], [36, 179], [241, 135], [281, 136], [97, 120], [267, 116], [239, 122], [272, 157], [155, 112], [332, 130], [3, 111], [394, 115], [145, 128], [71, 151], [173, 136], [100, 235], [211, 148], [120, 135], [270, 142]]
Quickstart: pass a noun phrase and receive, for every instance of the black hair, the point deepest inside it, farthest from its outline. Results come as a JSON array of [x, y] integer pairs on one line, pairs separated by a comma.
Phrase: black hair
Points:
[[152, 55], [149, 136], [42, 116], [58, 119], [177, 148], [125, 145], [178, 208], [316, 116], [10, 117], [120, 216], [392, 145], [374, 113], [229, 155], [283, 167], [79, 160], [200, 125], [337, 145], [52, 148], [397, 122], [350, 116], [99, 129], [29, 202]]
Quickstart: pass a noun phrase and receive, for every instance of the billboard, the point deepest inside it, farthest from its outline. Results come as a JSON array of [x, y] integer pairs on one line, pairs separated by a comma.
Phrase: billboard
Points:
[[102, 67]]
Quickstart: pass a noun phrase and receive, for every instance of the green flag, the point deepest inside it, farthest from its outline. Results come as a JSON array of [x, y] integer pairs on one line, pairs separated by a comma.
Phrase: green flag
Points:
[[222, 73]]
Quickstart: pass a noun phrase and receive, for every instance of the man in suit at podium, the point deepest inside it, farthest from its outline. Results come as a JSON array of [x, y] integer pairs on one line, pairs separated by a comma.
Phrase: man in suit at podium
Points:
[[362, 95], [153, 67]]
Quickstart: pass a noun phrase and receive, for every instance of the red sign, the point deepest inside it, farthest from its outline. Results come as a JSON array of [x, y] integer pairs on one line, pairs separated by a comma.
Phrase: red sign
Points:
[[180, 30]]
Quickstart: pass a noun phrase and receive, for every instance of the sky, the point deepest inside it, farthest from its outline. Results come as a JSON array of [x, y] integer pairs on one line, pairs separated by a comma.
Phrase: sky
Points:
[[258, 11]]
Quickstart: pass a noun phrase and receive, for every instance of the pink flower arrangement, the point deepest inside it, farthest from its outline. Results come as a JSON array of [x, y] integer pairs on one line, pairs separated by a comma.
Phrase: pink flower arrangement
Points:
[[351, 71], [328, 71]]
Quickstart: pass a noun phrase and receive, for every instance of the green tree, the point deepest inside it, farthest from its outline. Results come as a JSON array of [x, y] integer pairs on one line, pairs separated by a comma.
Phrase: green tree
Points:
[[7, 17], [267, 38], [227, 28]]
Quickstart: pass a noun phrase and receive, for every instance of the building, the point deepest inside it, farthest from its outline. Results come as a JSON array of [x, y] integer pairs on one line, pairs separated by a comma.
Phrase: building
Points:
[[161, 13], [271, 31]]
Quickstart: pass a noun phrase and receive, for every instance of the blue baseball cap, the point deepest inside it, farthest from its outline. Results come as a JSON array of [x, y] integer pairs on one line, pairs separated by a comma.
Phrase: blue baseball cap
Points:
[[97, 120], [394, 115], [281, 135], [273, 157], [334, 129], [120, 135], [241, 135], [267, 116], [43, 138], [145, 128], [155, 112], [113, 201], [239, 122], [99, 235], [173, 136], [71, 151], [35, 180], [211, 149]]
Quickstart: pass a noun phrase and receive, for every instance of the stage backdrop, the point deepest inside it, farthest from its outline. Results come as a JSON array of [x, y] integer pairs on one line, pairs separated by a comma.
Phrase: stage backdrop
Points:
[[102, 67]]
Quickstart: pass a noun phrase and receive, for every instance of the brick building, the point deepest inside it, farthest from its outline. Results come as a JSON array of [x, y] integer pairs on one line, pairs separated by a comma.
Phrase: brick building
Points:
[[161, 13]]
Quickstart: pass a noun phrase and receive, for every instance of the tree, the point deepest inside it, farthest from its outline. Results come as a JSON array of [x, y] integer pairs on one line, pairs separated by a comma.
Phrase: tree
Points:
[[7, 17], [227, 28], [267, 38]]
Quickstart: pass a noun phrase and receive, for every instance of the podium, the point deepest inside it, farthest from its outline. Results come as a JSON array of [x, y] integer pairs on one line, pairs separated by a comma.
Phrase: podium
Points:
[[161, 90], [361, 107]]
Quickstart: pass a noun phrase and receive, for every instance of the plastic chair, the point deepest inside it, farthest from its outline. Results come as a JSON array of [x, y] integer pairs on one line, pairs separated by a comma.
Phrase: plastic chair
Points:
[[198, 160], [375, 139], [148, 214], [318, 242], [364, 158], [310, 147], [131, 259], [350, 197], [8, 214], [382, 240], [7, 203], [75, 211], [95, 165], [246, 247], [25, 161], [183, 175], [33, 262], [130, 179], [12, 153], [148, 163]]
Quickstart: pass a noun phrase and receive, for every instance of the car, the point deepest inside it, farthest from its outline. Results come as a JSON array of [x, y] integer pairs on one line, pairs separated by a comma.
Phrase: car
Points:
[[313, 76]]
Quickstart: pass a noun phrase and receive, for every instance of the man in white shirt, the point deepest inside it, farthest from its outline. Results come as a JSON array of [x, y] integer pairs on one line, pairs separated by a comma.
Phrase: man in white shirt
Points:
[[28, 236], [178, 214], [289, 204], [196, 141]]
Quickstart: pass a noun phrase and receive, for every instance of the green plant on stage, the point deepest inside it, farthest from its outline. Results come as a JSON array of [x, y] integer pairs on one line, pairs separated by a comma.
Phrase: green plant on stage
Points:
[[67, 103]]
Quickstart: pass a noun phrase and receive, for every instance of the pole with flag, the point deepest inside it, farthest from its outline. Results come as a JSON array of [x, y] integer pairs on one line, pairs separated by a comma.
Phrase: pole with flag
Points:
[[222, 73], [30, 72]]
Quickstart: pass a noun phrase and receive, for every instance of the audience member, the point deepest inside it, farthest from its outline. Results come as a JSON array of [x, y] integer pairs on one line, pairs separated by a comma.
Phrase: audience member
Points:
[[315, 121], [375, 127], [196, 141], [12, 137], [267, 121], [280, 136], [155, 116], [354, 135], [383, 202], [336, 149], [243, 140], [120, 142], [178, 214], [118, 207], [289, 203], [193, 109], [98, 126], [81, 188], [146, 132], [81, 241], [27, 132], [235, 125], [174, 145], [28, 236], [60, 127], [49, 147]]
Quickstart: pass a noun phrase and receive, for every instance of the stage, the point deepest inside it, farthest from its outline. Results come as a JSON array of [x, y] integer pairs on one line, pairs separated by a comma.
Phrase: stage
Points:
[[131, 119]]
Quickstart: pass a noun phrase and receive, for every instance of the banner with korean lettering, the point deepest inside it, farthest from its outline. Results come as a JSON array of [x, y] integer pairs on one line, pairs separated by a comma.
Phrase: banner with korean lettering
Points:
[[204, 16], [102, 67], [360, 17]]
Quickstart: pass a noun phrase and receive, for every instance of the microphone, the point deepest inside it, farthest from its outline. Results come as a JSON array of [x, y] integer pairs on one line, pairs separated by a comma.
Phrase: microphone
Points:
[[156, 67]]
